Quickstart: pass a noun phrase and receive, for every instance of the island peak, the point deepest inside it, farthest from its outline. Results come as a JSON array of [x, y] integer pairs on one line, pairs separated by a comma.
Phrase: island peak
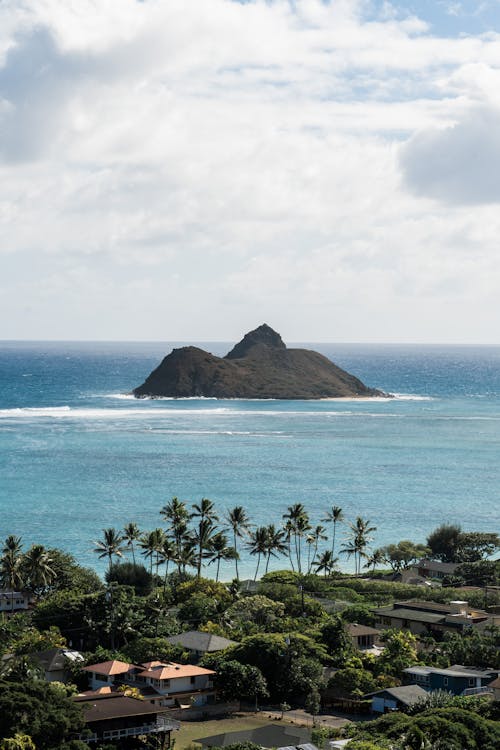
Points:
[[263, 335]]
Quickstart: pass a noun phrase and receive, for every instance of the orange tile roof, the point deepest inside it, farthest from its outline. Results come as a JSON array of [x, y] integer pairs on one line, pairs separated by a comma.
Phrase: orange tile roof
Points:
[[109, 667], [171, 671]]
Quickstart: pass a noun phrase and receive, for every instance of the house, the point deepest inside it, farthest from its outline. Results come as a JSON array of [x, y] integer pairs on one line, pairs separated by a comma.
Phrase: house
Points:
[[165, 684], [270, 735], [113, 716], [54, 662], [198, 643], [422, 617], [457, 679], [396, 698], [434, 568], [362, 636], [13, 601]]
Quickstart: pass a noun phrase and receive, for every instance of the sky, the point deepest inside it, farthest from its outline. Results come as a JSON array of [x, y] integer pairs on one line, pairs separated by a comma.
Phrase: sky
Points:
[[188, 169]]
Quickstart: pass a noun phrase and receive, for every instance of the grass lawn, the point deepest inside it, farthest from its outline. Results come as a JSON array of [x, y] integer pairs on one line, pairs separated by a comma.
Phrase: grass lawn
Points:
[[192, 730]]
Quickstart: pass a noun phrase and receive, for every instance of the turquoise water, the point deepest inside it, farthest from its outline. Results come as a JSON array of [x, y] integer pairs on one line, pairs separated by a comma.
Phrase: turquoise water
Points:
[[77, 454]]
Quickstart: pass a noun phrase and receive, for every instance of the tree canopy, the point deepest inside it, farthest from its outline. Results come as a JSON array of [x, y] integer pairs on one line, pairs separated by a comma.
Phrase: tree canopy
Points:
[[41, 710]]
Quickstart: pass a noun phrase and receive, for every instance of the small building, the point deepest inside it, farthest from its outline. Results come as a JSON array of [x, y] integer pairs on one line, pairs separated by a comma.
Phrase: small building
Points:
[[421, 617], [434, 568], [114, 716], [396, 698], [54, 662], [456, 679], [14, 601], [362, 636], [199, 643], [495, 688]]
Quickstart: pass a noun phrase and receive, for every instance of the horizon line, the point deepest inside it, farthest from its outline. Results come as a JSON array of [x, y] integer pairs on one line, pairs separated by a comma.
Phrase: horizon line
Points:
[[230, 341]]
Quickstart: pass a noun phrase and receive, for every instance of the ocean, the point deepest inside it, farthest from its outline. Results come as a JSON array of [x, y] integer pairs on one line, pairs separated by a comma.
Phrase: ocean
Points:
[[77, 454]]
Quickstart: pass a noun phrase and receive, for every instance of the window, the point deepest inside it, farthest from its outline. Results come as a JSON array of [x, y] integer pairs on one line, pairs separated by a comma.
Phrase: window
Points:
[[421, 678], [471, 681], [192, 680], [445, 681]]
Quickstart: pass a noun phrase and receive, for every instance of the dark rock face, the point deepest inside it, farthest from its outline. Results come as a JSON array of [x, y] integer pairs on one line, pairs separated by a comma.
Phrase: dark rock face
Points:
[[260, 366]]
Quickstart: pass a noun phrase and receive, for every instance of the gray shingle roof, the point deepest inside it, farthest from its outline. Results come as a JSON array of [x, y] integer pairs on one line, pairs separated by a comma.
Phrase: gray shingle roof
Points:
[[269, 735], [195, 640], [442, 567], [55, 659], [410, 614], [354, 629], [456, 670]]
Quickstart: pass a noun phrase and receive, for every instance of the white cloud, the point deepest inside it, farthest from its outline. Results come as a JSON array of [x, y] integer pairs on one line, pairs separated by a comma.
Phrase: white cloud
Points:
[[241, 156], [459, 164]]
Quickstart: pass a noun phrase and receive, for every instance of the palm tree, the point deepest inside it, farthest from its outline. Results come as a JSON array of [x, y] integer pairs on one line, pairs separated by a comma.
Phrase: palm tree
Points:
[[258, 545], [276, 544], [335, 516], [376, 558], [151, 544], [302, 526], [12, 544], [110, 545], [187, 556], [299, 523], [238, 521], [203, 537], [177, 517], [287, 531], [37, 566], [205, 512], [175, 511], [218, 550], [11, 572], [168, 554], [181, 535], [326, 562], [358, 538], [131, 534], [313, 539]]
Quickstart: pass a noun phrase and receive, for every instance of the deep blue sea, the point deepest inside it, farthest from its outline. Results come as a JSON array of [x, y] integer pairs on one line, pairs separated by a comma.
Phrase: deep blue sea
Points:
[[77, 454]]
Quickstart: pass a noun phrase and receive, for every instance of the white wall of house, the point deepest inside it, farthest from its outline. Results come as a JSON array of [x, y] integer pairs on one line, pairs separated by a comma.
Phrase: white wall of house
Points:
[[180, 684], [100, 680], [13, 600]]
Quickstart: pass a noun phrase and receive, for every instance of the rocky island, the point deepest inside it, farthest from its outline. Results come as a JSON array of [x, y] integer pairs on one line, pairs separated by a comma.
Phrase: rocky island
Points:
[[259, 366]]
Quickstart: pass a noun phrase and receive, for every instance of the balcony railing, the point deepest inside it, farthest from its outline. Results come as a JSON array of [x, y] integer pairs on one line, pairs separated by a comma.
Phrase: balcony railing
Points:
[[161, 725], [484, 690]]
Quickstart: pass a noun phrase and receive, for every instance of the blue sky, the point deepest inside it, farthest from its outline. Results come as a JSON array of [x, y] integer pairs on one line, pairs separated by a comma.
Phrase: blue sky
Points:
[[172, 169], [451, 18]]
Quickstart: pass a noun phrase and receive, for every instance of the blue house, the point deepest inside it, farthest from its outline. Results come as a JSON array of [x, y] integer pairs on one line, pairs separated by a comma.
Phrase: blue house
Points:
[[457, 679]]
